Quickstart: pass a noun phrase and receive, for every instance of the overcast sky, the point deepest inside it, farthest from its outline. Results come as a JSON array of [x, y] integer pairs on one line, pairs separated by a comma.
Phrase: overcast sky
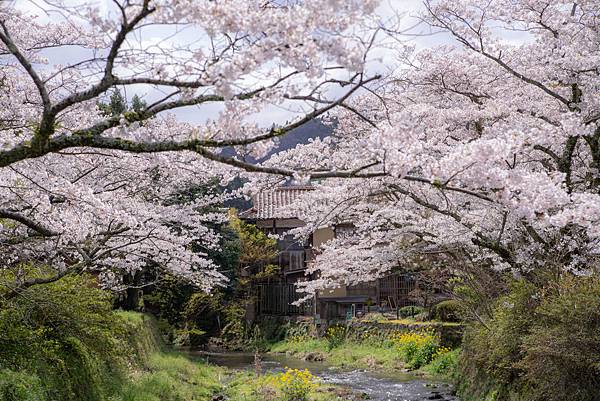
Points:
[[277, 113]]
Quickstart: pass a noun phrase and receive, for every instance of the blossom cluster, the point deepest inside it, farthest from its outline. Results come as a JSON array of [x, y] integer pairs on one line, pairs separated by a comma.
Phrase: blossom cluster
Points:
[[484, 148], [89, 183]]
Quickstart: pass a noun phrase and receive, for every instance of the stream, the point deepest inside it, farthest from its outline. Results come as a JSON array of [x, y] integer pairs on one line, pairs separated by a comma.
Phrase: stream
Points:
[[379, 386]]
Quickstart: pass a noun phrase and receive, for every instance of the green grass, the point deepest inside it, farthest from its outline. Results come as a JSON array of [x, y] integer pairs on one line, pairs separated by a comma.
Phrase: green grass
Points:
[[412, 322], [246, 386], [172, 377], [367, 356], [308, 345], [348, 355], [379, 355]]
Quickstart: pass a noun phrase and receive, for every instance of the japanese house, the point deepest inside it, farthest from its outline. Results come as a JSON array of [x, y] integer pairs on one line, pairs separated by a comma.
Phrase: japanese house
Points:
[[271, 212]]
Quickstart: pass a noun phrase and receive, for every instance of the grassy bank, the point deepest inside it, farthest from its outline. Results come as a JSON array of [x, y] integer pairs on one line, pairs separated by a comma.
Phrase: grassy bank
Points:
[[171, 376], [148, 372], [417, 350], [63, 342]]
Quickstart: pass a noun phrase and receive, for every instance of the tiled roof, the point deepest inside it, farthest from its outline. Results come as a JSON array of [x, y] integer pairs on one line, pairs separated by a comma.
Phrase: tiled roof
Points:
[[274, 203]]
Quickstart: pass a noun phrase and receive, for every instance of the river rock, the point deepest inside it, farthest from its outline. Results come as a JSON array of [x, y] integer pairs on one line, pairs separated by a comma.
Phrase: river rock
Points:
[[370, 361], [313, 357]]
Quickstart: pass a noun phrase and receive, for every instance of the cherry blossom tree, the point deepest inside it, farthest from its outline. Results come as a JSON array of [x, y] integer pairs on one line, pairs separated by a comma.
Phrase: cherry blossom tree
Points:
[[487, 146], [82, 189]]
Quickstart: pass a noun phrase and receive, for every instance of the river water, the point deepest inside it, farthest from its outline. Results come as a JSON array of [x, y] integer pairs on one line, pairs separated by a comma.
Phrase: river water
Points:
[[378, 386]]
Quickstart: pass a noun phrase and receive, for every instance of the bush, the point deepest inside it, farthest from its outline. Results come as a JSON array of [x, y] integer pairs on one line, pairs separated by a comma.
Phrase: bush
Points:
[[444, 362], [492, 349], [299, 332], [538, 345], [335, 335], [66, 334], [63, 341], [20, 386], [562, 350], [410, 311], [417, 348], [447, 311], [296, 384]]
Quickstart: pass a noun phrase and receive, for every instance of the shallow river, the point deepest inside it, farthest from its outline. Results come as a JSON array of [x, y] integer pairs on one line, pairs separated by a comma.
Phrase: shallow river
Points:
[[378, 386]]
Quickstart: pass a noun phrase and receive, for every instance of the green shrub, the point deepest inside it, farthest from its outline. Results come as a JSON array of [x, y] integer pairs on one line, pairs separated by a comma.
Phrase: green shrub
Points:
[[67, 335], [447, 311], [417, 348], [562, 350], [444, 362], [235, 330], [492, 349], [538, 345], [20, 386], [299, 330], [336, 336], [410, 311]]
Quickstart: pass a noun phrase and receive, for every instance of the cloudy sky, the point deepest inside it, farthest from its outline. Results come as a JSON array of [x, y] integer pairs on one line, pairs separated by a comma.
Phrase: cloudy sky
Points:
[[388, 10]]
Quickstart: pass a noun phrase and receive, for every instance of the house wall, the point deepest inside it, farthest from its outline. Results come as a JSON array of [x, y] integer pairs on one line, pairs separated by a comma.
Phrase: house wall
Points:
[[322, 235]]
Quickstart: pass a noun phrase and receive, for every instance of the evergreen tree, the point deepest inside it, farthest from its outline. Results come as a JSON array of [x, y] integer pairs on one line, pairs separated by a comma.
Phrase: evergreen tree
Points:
[[137, 104], [116, 105]]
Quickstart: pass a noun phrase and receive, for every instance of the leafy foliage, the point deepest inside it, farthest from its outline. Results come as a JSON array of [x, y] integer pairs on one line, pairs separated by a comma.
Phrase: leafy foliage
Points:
[[116, 105], [20, 386], [62, 341], [448, 311], [418, 348], [336, 336], [562, 350], [444, 362], [257, 249], [538, 344]]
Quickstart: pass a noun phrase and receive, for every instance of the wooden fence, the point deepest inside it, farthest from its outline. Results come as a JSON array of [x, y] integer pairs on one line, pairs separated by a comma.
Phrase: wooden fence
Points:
[[277, 299]]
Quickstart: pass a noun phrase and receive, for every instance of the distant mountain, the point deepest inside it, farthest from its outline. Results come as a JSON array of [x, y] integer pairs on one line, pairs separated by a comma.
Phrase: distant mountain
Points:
[[301, 135]]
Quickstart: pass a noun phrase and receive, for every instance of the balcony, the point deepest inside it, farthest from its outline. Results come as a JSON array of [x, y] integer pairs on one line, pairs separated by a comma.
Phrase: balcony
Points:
[[292, 262]]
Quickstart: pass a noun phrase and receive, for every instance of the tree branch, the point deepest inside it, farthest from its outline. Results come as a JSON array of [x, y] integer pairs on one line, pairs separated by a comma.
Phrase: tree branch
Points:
[[90, 137], [20, 287], [46, 232]]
